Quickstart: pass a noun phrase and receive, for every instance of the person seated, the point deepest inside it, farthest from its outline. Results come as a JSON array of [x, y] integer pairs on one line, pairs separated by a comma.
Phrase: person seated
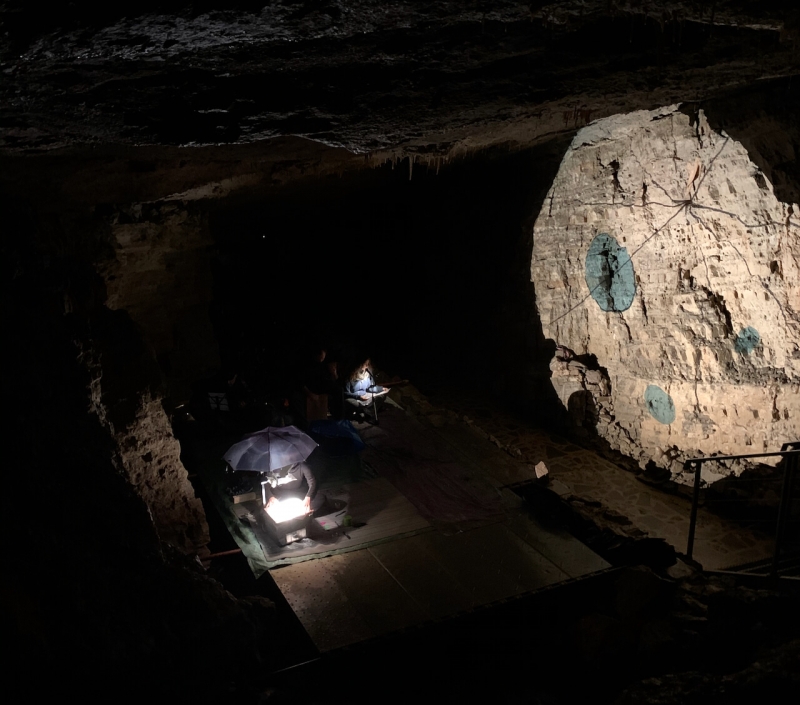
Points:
[[360, 390], [295, 480]]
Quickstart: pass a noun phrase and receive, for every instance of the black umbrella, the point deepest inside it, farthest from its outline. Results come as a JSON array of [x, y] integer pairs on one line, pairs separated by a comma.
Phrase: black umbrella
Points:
[[270, 449]]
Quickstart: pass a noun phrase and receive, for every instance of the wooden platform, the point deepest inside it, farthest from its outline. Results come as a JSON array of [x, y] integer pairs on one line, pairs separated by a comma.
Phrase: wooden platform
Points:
[[482, 546], [441, 534], [375, 503], [347, 598]]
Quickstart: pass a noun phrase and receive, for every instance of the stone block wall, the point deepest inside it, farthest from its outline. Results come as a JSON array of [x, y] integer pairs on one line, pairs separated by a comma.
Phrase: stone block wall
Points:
[[662, 250]]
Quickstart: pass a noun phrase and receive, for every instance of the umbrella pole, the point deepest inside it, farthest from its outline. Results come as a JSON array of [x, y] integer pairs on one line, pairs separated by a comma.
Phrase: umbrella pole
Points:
[[263, 494]]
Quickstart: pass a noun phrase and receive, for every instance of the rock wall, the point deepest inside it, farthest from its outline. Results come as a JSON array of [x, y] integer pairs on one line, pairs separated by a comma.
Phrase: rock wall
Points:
[[160, 274], [93, 594], [151, 457], [124, 395], [663, 256], [158, 285]]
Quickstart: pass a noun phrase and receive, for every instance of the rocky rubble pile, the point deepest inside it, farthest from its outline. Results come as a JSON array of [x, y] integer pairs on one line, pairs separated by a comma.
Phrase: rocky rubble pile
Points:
[[727, 643]]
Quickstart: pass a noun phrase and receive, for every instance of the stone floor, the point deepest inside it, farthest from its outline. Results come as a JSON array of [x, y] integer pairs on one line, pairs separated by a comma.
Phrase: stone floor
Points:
[[719, 543], [473, 542]]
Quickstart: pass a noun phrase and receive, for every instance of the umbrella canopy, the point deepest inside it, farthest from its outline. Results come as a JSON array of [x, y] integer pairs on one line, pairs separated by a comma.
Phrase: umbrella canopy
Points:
[[270, 449]]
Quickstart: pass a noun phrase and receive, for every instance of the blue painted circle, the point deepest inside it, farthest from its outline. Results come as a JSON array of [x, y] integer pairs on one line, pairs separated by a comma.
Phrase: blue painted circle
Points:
[[609, 274], [659, 404], [747, 340]]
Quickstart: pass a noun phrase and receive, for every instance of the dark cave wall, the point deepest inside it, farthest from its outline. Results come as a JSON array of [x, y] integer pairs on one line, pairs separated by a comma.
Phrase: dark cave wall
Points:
[[764, 118], [124, 386], [161, 276], [424, 268], [140, 216], [96, 597]]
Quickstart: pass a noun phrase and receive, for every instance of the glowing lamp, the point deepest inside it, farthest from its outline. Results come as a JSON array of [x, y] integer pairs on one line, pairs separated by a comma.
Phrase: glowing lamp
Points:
[[286, 509], [287, 520]]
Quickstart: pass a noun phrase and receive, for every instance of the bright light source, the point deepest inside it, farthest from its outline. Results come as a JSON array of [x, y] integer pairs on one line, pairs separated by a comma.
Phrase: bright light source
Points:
[[286, 509]]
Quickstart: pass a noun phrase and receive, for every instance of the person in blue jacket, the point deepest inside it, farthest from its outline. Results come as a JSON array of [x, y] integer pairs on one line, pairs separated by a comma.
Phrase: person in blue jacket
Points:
[[360, 390]]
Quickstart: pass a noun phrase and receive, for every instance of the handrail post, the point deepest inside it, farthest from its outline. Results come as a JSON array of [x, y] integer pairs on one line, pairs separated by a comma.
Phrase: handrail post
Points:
[[791, 452], [783, 509], [695, 502]]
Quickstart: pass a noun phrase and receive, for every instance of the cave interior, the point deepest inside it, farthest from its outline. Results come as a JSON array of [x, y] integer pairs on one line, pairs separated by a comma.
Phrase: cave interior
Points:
[[193, 190]]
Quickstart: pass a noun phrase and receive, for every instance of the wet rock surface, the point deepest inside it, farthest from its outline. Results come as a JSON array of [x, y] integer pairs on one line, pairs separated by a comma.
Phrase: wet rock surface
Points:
[[365, 74]]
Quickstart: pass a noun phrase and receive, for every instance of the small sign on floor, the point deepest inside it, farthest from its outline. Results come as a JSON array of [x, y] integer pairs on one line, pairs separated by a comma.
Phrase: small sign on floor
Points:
[[327, 524]]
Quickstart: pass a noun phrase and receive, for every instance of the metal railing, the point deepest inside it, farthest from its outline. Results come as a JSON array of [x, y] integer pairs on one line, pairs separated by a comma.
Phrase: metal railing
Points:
[[791, 453]]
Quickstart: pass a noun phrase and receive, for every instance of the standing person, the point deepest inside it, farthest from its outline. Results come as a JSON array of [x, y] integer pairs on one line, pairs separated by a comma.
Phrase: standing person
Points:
[[329, 385], [314, 374], [321, 388], [321, 375]]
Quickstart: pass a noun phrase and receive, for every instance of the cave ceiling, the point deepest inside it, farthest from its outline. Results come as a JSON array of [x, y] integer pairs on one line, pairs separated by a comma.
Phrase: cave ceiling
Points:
[[370, 76]]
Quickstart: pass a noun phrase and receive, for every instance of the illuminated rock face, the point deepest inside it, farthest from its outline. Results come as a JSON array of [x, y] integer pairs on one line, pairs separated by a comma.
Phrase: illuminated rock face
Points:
[[124, 396], [151, 458], [662, 250]]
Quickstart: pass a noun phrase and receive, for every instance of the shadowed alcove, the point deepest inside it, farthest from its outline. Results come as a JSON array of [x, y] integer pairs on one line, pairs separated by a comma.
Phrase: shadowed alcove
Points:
[[425, 269]]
